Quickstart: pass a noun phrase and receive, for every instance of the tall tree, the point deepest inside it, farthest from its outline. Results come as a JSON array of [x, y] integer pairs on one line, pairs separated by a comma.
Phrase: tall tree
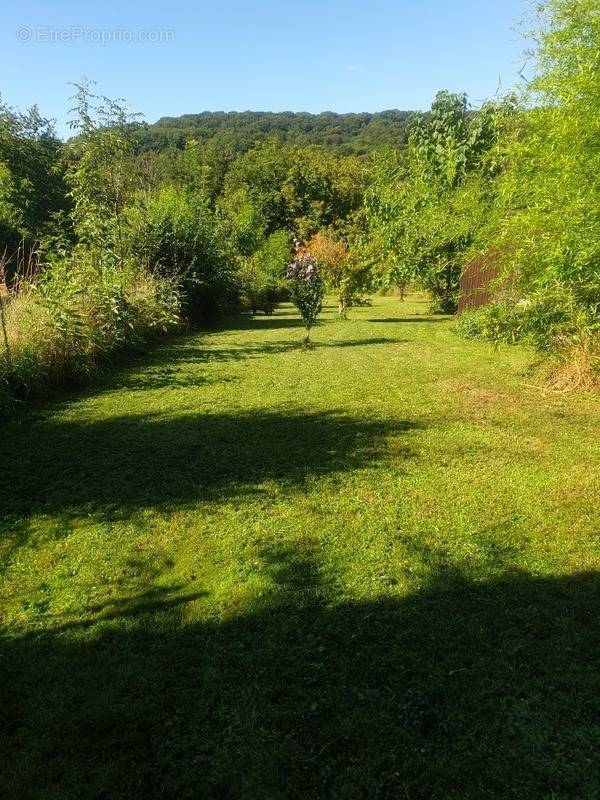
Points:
[[32, 188], [426, 206]]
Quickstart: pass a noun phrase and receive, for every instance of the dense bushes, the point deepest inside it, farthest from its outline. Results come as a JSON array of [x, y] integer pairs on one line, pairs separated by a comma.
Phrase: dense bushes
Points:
[[563, 333], [32, 187], [518, 179], [545, 223], [145, 240], [425, 206], [262, 275], [75, 314], [82, 297], [175, 235]]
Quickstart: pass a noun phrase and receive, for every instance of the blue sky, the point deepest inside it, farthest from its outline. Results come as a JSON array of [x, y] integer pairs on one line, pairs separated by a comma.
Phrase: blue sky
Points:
[[306, 55]]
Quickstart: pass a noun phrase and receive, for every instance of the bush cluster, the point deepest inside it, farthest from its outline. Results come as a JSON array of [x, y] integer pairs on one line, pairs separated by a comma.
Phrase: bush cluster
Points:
[[67, 320]]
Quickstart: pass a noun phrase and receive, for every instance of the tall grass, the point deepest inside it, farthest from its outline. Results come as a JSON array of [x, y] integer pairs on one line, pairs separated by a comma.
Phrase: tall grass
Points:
[[565, 335], [61, 322]]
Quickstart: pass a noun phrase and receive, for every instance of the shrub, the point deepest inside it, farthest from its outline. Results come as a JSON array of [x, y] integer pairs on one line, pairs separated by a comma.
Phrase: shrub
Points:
[[263, 274], [469, 324], [545, 224], [75, 314], [307, 290], [176, 235], [565, 334], [500, 322]]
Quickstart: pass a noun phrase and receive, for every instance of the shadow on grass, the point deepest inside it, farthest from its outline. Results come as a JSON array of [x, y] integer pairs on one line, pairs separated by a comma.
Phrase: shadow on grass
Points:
[[196, 354], [176, 365], [416, 318], [260, 322], [374, 340], [116, 465], [155, 599], [460, 692]]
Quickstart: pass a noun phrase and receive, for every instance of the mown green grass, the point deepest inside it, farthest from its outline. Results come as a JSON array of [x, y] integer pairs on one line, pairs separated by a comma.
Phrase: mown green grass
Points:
[[237, 569]]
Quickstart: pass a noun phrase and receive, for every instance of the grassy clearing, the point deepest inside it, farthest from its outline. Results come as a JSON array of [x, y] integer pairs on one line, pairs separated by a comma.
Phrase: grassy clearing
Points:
[[240, 570]]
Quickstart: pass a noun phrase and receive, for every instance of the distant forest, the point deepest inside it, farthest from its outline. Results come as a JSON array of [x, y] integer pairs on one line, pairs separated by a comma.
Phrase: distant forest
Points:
[[342, 134]]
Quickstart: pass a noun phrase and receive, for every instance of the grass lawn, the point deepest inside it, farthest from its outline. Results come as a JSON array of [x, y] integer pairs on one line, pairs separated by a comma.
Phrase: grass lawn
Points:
[[237, 570]]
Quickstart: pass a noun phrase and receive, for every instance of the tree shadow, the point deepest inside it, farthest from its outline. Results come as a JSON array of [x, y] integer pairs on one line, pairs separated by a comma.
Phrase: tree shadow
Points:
[[462, 691], [176, 365], [416, 318], [155, 599], [194, 354], [243, 322], [155, 376], [116, 465], [364, 342]]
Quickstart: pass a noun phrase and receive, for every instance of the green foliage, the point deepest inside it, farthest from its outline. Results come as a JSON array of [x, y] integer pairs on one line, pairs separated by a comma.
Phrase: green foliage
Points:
[[500, 322], [545, 225], [80, 303], [262, 275], [32, 189], [426, 206], [243, 218], [449, 143], [212, 220], [74, 315], [236, 132], [564, 332], [470, 323], [211, 201], [99, 173], [258, 177], [341, 268], [307, 289], [302, 189], [320, 190], [175, 234]]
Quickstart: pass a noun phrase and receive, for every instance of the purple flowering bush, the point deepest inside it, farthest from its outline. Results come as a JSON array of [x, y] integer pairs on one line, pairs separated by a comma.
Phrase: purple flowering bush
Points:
[[306, 289]]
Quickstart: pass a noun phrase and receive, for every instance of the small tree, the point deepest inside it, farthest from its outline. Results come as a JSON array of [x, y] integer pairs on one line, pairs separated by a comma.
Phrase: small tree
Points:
[[332, 256], [100, 174], [306, 289]]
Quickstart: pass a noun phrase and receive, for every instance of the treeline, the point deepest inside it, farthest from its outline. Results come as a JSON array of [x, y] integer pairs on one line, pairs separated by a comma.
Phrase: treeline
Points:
[[108, 243], [238, 131]]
